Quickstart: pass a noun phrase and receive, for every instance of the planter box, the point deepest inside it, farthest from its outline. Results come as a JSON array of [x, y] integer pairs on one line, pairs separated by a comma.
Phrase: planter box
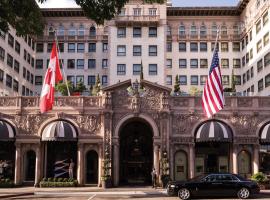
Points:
[[58, 184]]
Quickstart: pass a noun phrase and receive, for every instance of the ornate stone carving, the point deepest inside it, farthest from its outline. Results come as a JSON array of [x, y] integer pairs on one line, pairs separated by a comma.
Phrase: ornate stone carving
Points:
[[121, 99], [28, 124], [180, 102], [182, 140], [246, 140], [8, 101], [244, 102], [90, 124], [183, 124], [151, 99], [165, 101], [245, 124], [29, 102], [135, 103], [65, 101], [92, 102], [264, 102]]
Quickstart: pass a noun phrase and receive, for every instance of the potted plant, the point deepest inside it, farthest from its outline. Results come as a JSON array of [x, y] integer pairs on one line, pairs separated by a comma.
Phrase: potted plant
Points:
[[262, 180]]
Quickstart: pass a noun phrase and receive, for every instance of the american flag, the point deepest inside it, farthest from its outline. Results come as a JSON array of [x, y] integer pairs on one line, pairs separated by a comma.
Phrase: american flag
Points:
[[213, 97]]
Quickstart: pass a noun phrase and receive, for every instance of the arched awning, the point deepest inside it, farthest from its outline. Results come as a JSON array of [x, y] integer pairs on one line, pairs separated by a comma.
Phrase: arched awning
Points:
[[265, 134], [59, 131], [7, 132], [214, 131]]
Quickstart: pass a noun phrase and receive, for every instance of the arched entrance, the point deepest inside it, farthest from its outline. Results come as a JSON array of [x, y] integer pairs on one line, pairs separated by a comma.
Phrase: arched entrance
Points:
[[265, 149], [136, 153], [7, 150], [30, 165], [60, 138], [244, 164], [92, 167], [212, 147], [180, 166]]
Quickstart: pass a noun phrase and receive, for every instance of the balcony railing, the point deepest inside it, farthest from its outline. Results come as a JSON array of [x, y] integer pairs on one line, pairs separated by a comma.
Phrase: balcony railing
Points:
[[74, 38], [139, 18], [206, 37]]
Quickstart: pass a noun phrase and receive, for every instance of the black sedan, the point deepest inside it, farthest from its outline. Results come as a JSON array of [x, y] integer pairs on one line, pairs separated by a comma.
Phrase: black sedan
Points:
[[217, 185]]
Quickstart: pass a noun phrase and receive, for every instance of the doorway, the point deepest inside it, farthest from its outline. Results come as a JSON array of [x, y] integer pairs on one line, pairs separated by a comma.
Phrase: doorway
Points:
[[92, 167], [30, 166]]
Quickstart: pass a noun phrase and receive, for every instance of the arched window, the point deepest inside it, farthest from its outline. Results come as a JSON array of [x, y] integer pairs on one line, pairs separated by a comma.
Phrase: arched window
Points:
[[182, 30], [224, 30], [236, 29], [214, 30], [51, 31], [81, 30], [61, 30], [193, 30], [169, 30], [72, 30], [92, 31], [203, 30]]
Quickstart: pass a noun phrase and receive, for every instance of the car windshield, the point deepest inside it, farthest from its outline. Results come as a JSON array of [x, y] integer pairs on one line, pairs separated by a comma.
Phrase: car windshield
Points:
[[197, 178], [240, 177]]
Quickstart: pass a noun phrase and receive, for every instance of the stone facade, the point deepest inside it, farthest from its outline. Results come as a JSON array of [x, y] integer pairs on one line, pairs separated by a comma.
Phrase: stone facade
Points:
[[99, 120]]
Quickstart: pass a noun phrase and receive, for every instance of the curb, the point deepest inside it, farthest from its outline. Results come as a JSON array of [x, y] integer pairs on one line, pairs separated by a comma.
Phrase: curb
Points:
[[16, 195]]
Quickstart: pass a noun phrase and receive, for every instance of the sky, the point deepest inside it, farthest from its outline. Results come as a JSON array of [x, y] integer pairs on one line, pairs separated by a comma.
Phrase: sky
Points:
[[71, 3]]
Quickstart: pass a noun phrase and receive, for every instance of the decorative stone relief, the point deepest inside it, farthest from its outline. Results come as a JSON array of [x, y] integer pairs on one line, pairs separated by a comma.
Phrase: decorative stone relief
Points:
[[90, 124], [245, 124], [180, 102], [151, 99], [244, 102], [8, 101], [29, 102], [121, 98], [64, 101], [91, 101], [264, 102], [183, 124]]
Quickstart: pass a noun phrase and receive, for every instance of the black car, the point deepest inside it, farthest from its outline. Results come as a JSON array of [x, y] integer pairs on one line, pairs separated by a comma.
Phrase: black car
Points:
[[216, 184]]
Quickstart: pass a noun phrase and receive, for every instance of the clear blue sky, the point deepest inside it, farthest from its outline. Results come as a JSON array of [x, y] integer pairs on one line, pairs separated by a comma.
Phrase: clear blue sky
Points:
[[204, 2]]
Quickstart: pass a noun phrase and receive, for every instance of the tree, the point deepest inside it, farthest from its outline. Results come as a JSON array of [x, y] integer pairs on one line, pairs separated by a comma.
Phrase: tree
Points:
[[62, 88], [176, 85], [97, 87], [80, 87], [233, 82], [26, 17], [194, 91], [141, 77]]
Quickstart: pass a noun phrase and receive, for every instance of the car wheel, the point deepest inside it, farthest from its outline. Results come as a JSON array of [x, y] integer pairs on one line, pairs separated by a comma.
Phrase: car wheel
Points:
[[184, 194], [243, 193]]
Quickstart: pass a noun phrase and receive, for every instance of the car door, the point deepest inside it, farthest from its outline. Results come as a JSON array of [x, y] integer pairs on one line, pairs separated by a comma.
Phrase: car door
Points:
[[207, 186]]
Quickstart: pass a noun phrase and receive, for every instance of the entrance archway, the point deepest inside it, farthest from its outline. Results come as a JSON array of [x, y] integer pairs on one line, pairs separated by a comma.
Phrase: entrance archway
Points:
[[30, 165], [136, 153], [180, 166], [92, 167]]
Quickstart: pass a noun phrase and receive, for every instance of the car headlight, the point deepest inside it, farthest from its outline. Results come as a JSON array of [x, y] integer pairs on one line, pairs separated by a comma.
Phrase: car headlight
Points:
[[172, 186]]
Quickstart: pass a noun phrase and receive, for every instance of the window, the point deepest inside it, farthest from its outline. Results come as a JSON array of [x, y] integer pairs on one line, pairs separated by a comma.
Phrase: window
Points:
[[152, 11], [91, 63], [243, 44], [2, 54], [194, 46], [246, 40], [203, 46], [248, 75], [258, 26], [243, 61], [40, 47], [16, 66], [236, 30], [72, 31], [61, 30], [92, 47], [8, 81], [225, 63], [259, 65], [266, 39], [27, 92], [10, 41], [121, 32], [24, 72], [169, 80], [251, 72], [213, 46], [250, 35], [152, 69], [71, 63], [224, 47], [214, 30], [260, 85], [1, 75], [152, 31], [39, 64], [193, 30], [104, 80], [49, 47], [224, 31], [237, 80], [80, 47], [92, 31], [169, 63], [28, 58], [80, 64], [225, 80], [203, 31], [17, 47], [71, 79], [104, 63], [267, 60], [182, 47], [169, 31], [24, 54], [123, 12], [137, 50], [121, 69], [252, 88], [15, 85], [203, 79], [203, 63], [265, 18], [121, 50], [194, 80], [105, 47], [193, 63], [247, 58], [91, 80], [259, 46], [81, 30], [32, 79], [152, 50], [38, 80], [251, 53], [79, 79], [182, 30], [71, 47], [182, 80], [10, 60], [137, 32], [267, 80], [137, 11], [137, 69], [182, 63], [169, 47], [236, 63], [244, 78], [2, 35]]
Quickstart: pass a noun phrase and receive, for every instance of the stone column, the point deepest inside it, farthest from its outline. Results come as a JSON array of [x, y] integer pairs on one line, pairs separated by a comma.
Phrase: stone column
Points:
[[17, 179], [171, 160], [191, 160], [234, 159], [156, 158], [255, 159], [80, 164], [38, 166], [116, 164], [100, 163]]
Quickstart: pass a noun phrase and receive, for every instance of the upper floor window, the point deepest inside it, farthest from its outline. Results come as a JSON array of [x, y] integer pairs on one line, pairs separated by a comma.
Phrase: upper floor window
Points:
[[153, 50], [169, 31], [61, 30], [81, 30], [267, 60], [2, 54], [203, 31], [182, 30], [266, 39], [152, 11], [224, 46], [193, 30], [152, 69], [92, 31], [137, 11], [259, 46], [224, 31], [122, 12], [10, 40], [17, 47], [51, 32], [194, 46], [121, 32], [137, 69], [72, 31], [236, 46], [265, 18], [121, 50], [267, 80], [121, 69], [40, 47], [104, 80], [152, 31], [236, 30], [203, 46], [137, 32], [214, 30], [182, 63], [258, 26], [137, 50], [182, 46]]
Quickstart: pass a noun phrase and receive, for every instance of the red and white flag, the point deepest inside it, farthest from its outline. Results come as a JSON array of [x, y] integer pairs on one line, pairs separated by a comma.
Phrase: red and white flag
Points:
[[213, 97], [53, 76]]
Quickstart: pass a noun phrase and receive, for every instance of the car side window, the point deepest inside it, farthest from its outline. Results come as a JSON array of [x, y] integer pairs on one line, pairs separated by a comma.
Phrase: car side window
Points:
[[210, 178], [234, 178]]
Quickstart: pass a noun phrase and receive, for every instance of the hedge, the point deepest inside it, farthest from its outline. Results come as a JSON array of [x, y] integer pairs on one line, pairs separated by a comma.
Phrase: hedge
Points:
[[6, 183], [58, 182]]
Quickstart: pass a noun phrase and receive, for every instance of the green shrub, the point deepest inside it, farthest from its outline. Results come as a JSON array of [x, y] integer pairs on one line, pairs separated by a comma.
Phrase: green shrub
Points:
[[259, 177], [65, 180], [60, 180], [50, 179]]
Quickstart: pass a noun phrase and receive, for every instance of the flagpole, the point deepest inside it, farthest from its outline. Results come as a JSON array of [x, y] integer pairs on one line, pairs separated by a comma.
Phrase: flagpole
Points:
[[58, 50]]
